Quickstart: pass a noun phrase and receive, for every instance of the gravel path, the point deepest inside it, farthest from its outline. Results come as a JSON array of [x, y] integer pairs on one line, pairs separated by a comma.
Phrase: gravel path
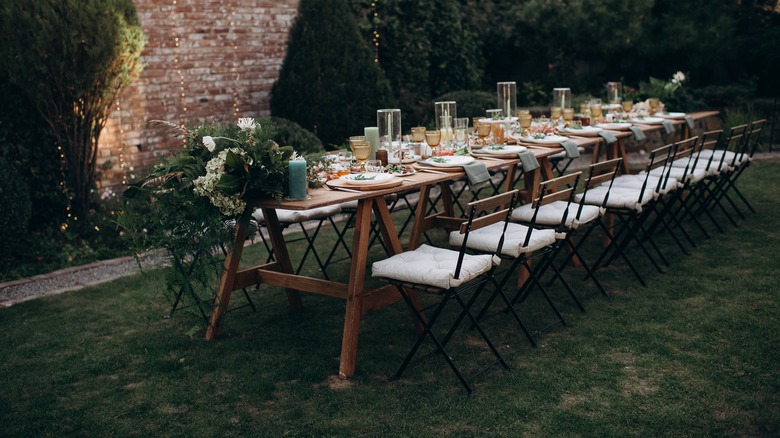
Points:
[[73, 278]]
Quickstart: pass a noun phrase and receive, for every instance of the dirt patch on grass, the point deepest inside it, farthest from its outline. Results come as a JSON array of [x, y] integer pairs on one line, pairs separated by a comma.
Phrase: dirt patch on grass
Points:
[[337, 384]]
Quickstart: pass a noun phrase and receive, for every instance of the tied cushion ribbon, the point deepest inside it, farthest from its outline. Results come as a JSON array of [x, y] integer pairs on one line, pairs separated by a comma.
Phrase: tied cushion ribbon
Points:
[[572, 151], [608, 137], [689, 121], [668, 126], [477, 174], [638, 133], [529, 161]]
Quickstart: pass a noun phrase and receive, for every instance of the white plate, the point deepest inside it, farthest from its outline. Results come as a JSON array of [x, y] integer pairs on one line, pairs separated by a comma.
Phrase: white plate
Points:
[[614, 126], [550, 139], [647, 120], [448, 161], [366, 178], [585, 130], [502, 150], [670, 115]]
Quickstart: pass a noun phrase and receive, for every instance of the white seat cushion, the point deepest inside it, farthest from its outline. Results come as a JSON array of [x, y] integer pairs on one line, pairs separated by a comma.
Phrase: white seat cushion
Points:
[[636, 182], [432, 266], [619, 197], [293, 216], [679, 172], [486, 239], [552, 214]]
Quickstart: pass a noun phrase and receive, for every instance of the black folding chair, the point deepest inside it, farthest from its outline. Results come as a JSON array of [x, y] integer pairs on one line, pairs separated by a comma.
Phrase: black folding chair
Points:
[[450, 274]]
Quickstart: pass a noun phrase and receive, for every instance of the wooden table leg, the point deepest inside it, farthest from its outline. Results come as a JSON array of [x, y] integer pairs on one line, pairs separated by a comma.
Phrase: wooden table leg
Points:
[[222, 300], [280, 253], [620, 152], [419, 217], [357, 274]]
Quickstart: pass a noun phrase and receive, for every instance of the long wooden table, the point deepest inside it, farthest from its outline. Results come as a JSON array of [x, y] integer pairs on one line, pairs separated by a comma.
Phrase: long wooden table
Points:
[[359, 299]]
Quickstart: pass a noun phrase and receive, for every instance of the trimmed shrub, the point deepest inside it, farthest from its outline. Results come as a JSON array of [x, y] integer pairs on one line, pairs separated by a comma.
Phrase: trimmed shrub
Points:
[[329, 83], [15, 212], [289, 133]]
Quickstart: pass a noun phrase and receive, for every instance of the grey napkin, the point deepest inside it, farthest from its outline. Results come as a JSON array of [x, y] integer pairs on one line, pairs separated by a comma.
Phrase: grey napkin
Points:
[[608, 136], [572, 151], [689, 121], [529, 160], [668, 126], [477, 174], [639, 135]]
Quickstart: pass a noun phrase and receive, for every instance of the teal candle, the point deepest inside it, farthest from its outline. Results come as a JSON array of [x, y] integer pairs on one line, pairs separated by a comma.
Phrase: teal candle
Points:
[[372, 137], [297, 179]]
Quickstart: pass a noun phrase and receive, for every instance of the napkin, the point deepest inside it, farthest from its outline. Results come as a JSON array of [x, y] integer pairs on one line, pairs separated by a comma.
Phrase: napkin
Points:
[[689, 121], [638, 133], [477, 174], [572, 151], [608, 136], [668, 126], [529, 160]]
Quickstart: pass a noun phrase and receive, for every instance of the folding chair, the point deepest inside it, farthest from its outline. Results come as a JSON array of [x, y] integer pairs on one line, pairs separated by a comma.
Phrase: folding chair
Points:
[[577, 216], [449, 274], [523, 243], [723, 165], [632, 206], [741, 162], [318, 216]]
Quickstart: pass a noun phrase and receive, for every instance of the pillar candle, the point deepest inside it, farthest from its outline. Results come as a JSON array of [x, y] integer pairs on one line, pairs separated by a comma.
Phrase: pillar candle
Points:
[[297, 179], [372, 137]]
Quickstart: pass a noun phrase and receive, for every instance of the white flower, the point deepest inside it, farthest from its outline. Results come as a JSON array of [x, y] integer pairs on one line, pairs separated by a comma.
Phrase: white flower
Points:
[[209, 142], [678, 77], [206, 185], [247, 124]]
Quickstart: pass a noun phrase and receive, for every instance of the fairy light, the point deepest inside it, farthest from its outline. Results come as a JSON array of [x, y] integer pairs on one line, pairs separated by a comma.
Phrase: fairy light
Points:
[[375, 34], [177, 66], [123, 164], [233, 68]]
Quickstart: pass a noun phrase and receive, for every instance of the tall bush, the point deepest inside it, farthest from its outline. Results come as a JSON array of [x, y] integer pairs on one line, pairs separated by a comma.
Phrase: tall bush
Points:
[[72, 59], [329, 83]]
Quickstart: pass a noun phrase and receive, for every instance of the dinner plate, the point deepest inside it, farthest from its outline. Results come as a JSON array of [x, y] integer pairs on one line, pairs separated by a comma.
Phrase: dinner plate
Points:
[[407, 170], [670, 115], [647, 120], [585, 130], [614, 126], [502, 150], [448, 161], [550, 139], [366, 178]]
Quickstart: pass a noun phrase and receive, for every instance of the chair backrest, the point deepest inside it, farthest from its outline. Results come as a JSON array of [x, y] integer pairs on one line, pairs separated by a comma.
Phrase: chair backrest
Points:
[[498, 209], [687, 149], [599, 174], [734, 143], [754, 136], [660, 158], [562, 188], [708, 141]]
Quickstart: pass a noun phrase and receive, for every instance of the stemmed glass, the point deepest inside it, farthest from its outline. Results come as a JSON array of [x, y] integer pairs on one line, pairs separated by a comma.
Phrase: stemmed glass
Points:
[[418, 136], [653, 102], [525, 123], [628, 106], [433, 138], [555, 113], [483, 131], [568, 116], [595, 111], [361, 149]]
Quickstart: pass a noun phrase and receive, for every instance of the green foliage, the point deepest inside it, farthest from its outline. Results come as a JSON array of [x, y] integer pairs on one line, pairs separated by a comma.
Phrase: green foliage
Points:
[[287, 132], [329, 83], [186, 203], [15, 212], [72, 59]]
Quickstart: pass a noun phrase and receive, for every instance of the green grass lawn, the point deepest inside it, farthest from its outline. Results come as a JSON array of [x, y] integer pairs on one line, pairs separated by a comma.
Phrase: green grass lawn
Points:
[[696, 353]]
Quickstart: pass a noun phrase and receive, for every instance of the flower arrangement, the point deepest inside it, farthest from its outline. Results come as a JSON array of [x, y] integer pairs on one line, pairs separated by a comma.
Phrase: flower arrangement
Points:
[[671, 92], [188, 201]]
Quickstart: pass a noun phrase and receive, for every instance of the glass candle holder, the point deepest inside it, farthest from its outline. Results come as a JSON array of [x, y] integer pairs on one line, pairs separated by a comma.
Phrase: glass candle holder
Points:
[[389, 123], [614, 92], [506, 96], [561, 97]]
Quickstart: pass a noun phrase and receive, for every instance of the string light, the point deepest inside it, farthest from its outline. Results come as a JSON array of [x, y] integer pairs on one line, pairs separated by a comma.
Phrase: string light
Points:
[[177, 66], [374, 19]]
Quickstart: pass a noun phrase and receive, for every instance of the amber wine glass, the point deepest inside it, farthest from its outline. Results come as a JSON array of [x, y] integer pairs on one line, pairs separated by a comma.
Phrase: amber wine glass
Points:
[[653, 102], [568, 116], [433, 138], [555, 113], [525, 122], [361, 150], [595, 111]]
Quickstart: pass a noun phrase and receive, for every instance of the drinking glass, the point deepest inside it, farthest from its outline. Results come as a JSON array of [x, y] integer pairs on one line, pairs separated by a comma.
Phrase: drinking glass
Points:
[[418, 136], [374, 166], [555, 113], [361, 150], [568, 116], [483, 131], [595, 111], [433, 138], [653, 103], [461, 134], [525, 123]]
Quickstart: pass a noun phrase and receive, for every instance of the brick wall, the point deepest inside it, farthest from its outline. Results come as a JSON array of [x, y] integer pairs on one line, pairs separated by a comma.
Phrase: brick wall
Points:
[[204, 60]]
